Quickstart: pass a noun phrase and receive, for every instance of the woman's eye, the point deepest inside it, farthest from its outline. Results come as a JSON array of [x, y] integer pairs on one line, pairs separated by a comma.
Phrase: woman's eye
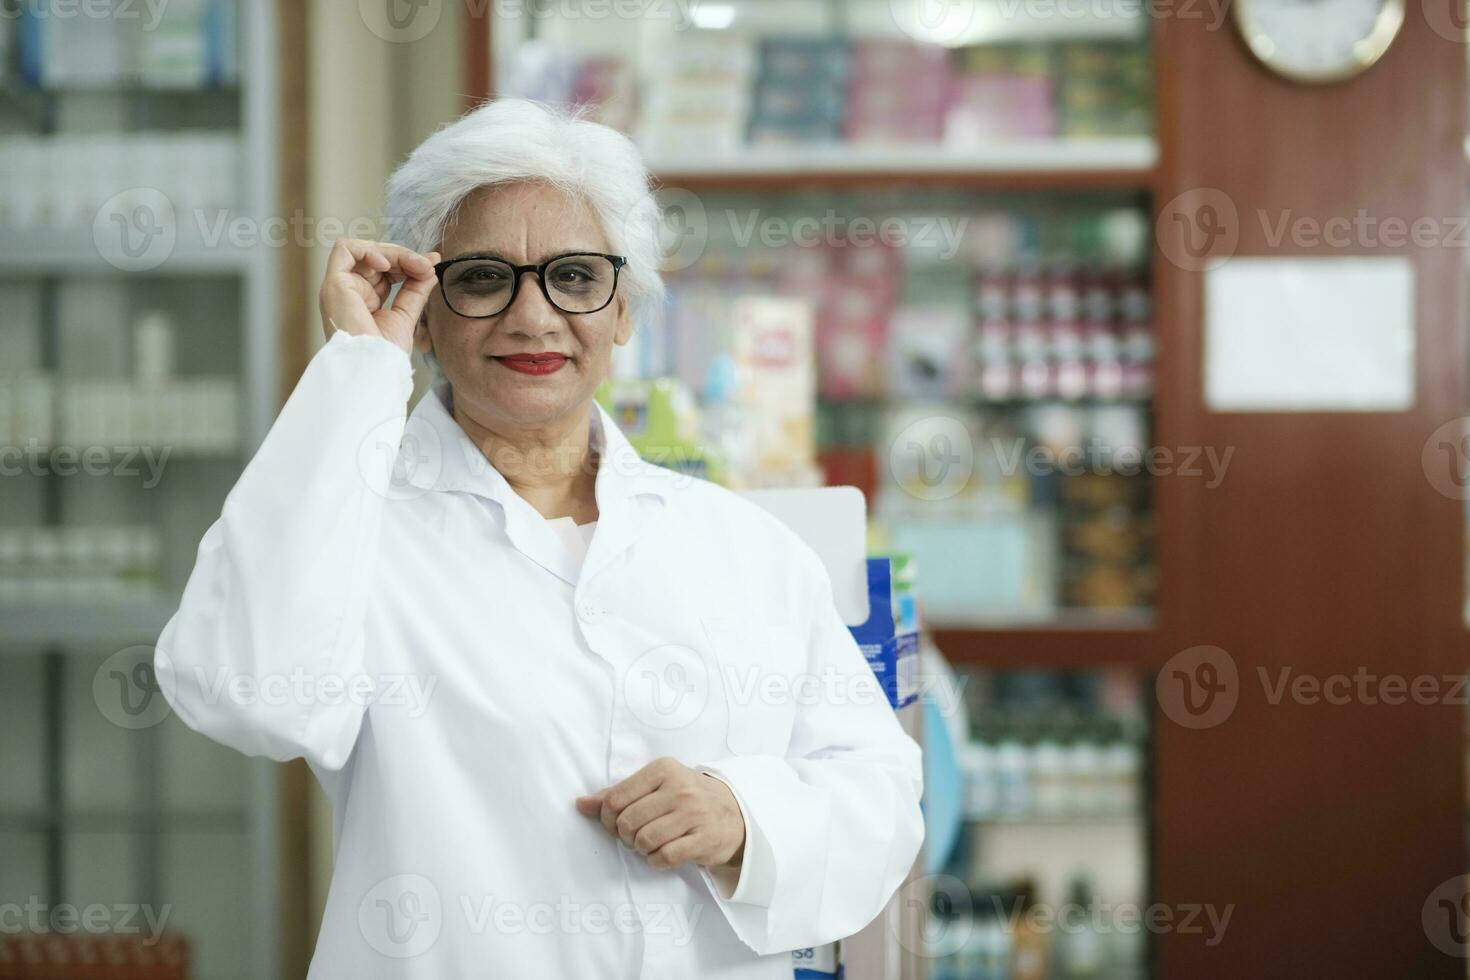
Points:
[[482, 276]]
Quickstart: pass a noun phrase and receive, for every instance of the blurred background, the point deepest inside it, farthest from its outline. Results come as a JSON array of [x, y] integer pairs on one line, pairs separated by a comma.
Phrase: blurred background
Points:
[[1140, 324]]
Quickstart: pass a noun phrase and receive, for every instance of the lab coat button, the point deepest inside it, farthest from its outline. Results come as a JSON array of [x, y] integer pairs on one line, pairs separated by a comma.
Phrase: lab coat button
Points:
[[588, 612]]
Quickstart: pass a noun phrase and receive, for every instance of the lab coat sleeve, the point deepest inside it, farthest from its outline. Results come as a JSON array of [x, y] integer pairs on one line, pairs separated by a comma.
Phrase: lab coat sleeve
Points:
[[839, 815], [277, 598], [757, 878]]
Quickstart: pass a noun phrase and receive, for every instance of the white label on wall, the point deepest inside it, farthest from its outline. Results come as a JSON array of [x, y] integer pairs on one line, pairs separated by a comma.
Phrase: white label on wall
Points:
[[1310, 335]]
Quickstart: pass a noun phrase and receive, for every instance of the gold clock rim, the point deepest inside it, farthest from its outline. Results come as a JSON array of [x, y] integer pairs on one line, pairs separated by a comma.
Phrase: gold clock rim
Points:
[[1385, 30]]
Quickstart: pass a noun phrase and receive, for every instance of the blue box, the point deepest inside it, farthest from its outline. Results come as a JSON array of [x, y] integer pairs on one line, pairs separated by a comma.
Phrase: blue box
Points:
[[894, 656]]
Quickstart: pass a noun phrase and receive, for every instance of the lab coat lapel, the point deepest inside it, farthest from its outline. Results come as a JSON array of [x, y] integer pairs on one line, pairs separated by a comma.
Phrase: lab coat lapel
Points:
[[630, 495], [448, 460]]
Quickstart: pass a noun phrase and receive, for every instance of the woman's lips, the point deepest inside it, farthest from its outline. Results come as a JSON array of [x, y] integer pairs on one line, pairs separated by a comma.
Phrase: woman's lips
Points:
[[533, 363]]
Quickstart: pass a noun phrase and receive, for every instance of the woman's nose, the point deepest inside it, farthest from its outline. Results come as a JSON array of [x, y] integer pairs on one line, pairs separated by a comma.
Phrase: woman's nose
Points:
[[531, 314]]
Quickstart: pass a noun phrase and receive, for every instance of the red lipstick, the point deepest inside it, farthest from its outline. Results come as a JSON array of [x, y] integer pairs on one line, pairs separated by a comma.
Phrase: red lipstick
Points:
[[534, 363]]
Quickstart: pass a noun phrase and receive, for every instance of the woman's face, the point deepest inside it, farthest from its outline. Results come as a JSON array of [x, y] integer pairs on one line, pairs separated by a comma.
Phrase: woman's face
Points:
[[524, 224]]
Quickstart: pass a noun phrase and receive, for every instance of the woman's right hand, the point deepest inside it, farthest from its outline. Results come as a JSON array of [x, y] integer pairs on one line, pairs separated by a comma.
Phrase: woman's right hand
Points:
[[355, 289]]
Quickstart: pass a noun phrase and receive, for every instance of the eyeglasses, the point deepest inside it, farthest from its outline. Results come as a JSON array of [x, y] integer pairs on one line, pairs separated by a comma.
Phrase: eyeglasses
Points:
[[579, 282]]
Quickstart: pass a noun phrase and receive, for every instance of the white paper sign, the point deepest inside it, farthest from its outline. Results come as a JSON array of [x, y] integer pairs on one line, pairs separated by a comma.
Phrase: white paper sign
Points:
[[1310, 335]]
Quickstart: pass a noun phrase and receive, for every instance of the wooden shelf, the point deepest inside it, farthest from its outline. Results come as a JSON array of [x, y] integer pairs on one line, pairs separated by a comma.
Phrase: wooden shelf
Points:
[[1086, 164], [1051, 647]]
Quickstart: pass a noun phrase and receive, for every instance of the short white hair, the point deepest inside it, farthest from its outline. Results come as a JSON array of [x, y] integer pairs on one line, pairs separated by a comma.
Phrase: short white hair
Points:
[[515, 140]]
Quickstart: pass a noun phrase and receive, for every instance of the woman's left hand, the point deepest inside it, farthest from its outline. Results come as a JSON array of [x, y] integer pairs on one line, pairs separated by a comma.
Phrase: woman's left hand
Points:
[[672, 814]]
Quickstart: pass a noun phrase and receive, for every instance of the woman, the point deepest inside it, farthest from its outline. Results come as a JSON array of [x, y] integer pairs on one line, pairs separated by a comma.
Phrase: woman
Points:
[[650, 751]]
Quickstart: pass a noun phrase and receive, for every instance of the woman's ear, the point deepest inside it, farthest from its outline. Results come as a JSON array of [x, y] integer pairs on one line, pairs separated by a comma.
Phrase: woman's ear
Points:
[[423, 342], [623, 327]]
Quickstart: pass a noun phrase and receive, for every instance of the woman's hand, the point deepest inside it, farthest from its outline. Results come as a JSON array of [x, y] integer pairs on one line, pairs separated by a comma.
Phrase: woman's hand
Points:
[[355, 289], [672, 814]]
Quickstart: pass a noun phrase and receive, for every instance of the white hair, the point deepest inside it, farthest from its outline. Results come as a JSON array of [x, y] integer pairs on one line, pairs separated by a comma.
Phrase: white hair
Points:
[[516, 140]]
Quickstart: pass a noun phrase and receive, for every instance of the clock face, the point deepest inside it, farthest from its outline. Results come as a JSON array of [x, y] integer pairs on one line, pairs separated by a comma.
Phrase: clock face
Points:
[[1319, 40]]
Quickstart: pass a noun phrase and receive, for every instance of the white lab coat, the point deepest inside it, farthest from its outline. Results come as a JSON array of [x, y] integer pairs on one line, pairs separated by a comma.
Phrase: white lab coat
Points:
[[381, 602]]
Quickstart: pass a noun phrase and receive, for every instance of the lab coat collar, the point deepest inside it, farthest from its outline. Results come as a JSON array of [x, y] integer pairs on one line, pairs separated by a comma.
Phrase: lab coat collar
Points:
[[444, 458], [629, 490]]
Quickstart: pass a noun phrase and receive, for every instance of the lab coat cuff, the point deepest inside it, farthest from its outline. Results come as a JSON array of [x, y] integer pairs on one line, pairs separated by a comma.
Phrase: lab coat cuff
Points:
[[757, 881], [378, 350]]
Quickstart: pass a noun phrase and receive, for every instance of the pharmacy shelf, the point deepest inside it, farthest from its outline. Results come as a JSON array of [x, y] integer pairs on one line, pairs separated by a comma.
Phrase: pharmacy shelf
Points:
[[1072, 822], [42, 251], [1084, 163], [1093, 642], [81, 624]]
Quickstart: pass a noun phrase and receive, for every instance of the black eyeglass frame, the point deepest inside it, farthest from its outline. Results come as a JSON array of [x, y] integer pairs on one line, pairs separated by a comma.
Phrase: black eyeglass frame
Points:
[[517, 271]]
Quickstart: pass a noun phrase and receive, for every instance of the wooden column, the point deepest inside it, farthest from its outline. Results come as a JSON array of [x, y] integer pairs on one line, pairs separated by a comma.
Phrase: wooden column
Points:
[[1326, 550]]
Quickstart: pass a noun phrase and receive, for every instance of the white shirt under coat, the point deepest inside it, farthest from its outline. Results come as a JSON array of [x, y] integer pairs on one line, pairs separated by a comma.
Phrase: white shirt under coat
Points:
[[377, 599]]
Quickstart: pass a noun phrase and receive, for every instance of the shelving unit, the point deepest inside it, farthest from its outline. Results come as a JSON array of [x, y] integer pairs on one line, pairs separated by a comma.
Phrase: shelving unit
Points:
[[92, 809], [1036, 177]]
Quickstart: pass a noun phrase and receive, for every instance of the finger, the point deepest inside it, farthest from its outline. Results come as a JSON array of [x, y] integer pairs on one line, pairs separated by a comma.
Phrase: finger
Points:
[[589, 806], [413, 295], [661, 831], [349, 253], [681, 850], [356, 255], [640, 784], [640, 813]]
